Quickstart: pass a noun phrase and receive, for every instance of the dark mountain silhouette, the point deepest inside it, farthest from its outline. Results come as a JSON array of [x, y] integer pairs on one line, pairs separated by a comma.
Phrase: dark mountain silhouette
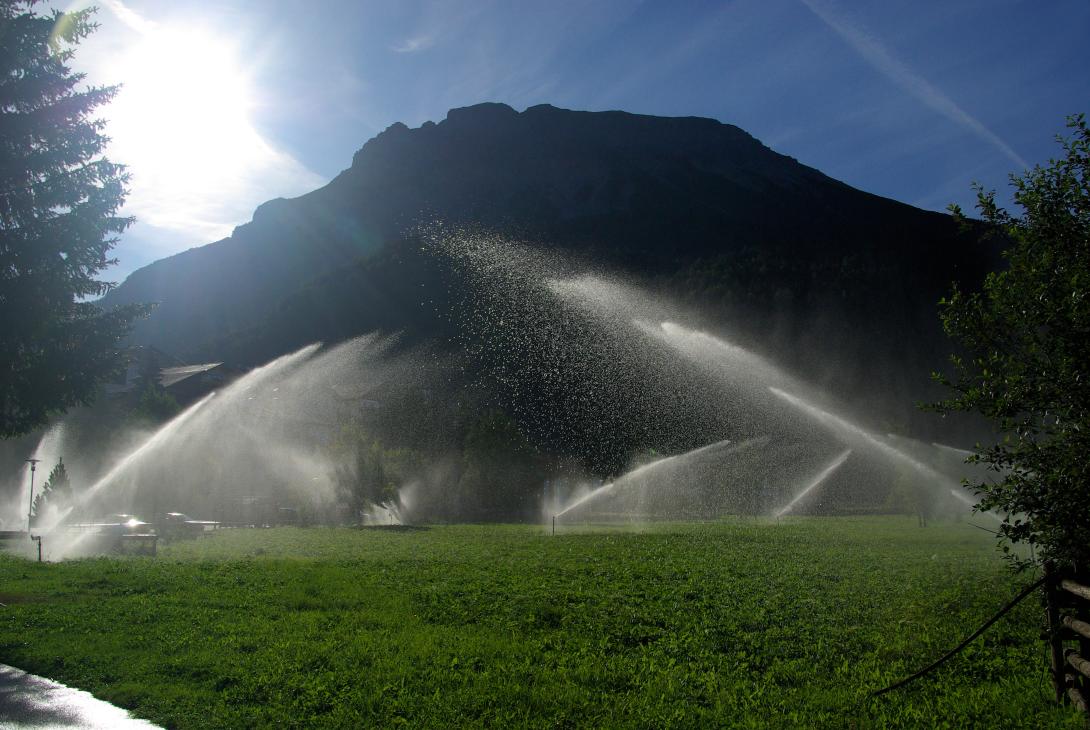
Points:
[[812, 270]]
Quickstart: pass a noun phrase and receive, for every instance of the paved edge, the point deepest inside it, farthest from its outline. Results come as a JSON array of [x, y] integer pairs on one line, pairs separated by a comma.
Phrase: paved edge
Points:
[[28, 701]]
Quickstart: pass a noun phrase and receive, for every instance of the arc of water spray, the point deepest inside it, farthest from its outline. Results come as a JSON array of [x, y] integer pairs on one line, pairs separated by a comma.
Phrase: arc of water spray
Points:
[[817, 482], [658, 463], [959, 496], [895, 453], [962, 498], [606, 488], [956, 493], [851, 429], [961, 452], [582, 500], [756, 366], [247, 381], [154, 440], [748, 365]]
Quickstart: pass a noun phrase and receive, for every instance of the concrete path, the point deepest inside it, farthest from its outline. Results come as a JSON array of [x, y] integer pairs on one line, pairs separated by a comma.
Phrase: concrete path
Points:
[[27, 701]]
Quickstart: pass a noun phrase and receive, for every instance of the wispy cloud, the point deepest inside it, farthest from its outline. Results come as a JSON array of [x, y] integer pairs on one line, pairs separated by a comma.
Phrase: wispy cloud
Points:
[[414, 44], [129, 17], [875, 53]]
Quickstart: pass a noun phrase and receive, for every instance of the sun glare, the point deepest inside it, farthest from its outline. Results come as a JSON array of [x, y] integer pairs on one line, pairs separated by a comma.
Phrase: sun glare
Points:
[[182, 119]]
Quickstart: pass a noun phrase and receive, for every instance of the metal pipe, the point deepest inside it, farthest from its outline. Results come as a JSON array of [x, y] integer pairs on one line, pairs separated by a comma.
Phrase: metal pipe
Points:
[[30, 506]]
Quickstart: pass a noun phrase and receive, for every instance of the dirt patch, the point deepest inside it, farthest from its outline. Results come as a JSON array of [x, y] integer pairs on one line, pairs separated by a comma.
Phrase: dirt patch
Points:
[[11, 598]]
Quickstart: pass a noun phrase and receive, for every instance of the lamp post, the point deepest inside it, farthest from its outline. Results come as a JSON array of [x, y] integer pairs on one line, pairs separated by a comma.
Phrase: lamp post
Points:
[[30, 507]]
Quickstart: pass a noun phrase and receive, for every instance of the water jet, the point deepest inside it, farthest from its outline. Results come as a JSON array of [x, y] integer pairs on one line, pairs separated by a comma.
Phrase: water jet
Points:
[[815, 483]]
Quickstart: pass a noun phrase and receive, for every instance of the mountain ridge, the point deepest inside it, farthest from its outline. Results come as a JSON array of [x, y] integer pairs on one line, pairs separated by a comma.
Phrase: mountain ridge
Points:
[[386, 143], [705, 209]]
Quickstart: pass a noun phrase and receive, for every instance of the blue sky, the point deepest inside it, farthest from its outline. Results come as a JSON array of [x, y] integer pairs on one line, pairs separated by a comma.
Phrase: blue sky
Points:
[[911, 100]]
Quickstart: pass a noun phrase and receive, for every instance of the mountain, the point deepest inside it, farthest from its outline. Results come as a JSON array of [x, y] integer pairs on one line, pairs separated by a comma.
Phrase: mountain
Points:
[[837, 283]]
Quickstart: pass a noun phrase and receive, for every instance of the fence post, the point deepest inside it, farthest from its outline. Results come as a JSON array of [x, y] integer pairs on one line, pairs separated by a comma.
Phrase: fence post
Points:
[[1055, 640], [1084, 644]]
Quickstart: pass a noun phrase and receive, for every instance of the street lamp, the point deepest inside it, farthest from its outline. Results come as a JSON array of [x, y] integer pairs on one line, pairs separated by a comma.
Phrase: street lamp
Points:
[[30, 507]]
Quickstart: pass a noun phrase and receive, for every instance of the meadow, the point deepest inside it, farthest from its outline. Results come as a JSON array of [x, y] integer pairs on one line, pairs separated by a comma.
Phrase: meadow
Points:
[[729, 624]]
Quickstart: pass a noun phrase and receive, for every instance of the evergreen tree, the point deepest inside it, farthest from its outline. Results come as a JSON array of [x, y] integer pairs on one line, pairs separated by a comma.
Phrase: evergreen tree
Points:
[[59, 199], [1026, 339], [57, 490]]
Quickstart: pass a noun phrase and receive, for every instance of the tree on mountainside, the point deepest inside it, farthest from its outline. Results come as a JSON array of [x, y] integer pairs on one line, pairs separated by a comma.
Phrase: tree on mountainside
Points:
[[59, 199], [501, 473], [155, 405], [908, 497], [1026, 339], [367, 474]]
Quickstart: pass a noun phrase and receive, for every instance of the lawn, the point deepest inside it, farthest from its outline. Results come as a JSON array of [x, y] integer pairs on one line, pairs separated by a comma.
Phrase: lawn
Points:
[[738, 624]]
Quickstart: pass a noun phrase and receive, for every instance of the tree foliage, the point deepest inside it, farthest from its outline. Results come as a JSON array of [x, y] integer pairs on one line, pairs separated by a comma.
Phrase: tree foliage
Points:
[[369, 473], [1025, 338], [59, 203], [155, 405]]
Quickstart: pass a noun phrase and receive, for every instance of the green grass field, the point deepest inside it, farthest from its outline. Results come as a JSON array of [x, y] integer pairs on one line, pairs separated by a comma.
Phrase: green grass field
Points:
[[735, 624]]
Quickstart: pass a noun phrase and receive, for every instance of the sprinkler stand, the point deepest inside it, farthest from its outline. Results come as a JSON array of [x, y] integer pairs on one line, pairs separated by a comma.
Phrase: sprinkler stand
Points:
[[30, 506]]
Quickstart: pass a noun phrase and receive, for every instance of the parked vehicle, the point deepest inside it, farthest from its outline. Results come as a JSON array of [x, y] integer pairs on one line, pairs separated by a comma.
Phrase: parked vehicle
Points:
[[118, 524], [178, 524]]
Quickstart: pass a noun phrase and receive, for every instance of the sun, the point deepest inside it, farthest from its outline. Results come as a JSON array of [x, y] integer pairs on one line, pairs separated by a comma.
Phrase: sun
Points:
[[181, 120]]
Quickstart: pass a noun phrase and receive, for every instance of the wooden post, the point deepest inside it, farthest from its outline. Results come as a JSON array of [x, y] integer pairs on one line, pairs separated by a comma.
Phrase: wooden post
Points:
[[1075, 588], [1075, 695], [1055, 642], [1081, 628], [1077, 662]]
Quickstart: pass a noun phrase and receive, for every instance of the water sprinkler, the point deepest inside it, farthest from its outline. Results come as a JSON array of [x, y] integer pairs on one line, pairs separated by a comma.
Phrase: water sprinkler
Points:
[[30, 507], [554, 524]]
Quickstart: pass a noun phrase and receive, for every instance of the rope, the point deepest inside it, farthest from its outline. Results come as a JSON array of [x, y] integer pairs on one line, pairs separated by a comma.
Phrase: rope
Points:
[[942, 660]]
